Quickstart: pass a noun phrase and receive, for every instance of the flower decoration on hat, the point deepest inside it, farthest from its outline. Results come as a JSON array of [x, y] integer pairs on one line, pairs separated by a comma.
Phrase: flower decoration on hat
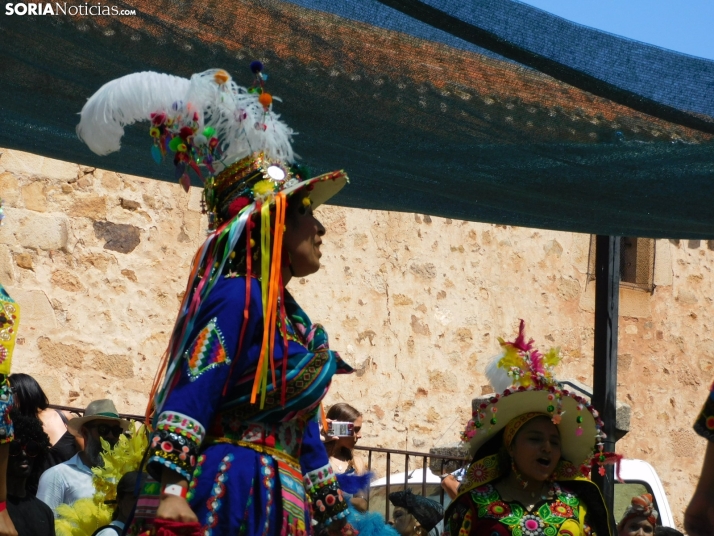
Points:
[[525, 384], [230, 138]]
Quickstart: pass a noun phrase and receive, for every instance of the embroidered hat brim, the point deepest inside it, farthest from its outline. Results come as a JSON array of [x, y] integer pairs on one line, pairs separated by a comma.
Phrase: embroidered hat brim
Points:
[[576, 447], [322, 188]]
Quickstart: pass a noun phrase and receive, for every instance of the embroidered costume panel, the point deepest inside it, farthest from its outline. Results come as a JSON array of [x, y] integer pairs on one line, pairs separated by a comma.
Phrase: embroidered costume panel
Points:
[[483, 511], [251, 470]]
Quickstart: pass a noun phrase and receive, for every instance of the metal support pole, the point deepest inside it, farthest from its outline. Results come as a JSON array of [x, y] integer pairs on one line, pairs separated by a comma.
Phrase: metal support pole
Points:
[[607, 298]]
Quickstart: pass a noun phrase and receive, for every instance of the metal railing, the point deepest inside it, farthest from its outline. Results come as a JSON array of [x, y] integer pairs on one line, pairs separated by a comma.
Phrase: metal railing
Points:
[[80, 412], [425, 456]]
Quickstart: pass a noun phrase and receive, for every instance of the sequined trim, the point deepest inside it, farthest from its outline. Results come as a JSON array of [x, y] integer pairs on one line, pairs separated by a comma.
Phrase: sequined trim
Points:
[[465, 528], [196, 475], [175, 443], [275, 453], [327, 501], [173, 421], [215, 501], [207, 351]]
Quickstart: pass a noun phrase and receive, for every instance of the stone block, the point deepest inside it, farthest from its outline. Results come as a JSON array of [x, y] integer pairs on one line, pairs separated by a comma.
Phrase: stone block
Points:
[[66, 280], [663, 263], [109, 179], [439, 466], [37, 166], [7, 272], [118, 236], [51, 386], [43, 231], [58, 354], [100, 261], [129, 204], [24, 260], [93, 207], [119, 366], [34, 196], [36, 310], [10, 188]]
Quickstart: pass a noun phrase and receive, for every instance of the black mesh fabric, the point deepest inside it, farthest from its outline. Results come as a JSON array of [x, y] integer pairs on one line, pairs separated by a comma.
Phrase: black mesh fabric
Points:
[[402, 95]]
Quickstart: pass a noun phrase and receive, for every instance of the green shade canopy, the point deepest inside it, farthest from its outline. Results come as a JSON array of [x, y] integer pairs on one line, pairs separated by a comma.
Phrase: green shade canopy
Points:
[[482, 110]]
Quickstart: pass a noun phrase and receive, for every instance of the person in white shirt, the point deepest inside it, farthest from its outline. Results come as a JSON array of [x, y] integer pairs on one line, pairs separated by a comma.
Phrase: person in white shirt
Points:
[[72, 480]]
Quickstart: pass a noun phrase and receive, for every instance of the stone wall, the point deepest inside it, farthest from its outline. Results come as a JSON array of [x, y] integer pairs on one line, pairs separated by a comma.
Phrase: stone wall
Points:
[[98, 261]]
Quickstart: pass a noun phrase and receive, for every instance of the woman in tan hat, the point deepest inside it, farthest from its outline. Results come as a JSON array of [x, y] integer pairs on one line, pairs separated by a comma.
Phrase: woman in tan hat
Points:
[[236, 446]]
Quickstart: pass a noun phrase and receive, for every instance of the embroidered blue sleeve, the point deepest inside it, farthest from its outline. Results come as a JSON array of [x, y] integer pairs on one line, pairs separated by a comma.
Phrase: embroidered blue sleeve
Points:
[[328, 503], [192, 403]]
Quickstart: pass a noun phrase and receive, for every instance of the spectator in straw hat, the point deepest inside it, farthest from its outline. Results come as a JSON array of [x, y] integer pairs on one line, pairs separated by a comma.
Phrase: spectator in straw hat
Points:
[[72, 480]]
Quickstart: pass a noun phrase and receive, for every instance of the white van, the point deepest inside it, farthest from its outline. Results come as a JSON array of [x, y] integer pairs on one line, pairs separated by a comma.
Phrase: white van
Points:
[[638, 477]]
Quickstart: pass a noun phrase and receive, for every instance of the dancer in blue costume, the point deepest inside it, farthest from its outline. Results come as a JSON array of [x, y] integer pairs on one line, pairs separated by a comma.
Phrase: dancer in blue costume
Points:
[[236, 446]]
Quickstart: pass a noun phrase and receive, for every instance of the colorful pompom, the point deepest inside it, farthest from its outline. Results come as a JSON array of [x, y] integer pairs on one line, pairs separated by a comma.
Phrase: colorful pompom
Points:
[[266, 99]]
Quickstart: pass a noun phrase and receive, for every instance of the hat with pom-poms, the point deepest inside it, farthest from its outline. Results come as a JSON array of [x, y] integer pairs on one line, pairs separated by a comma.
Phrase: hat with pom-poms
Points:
[[525, 383], [230, 137]]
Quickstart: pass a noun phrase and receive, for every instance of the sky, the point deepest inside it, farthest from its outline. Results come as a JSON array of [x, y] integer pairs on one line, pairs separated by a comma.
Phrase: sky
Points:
[[683, 25]]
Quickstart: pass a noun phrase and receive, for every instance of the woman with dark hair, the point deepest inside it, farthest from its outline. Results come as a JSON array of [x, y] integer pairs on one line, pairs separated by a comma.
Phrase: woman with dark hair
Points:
[[31, 401], [340, 449], [28, 451]]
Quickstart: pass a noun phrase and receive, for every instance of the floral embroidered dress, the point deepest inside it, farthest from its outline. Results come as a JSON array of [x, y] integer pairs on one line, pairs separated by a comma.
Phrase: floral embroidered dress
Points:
[[480, 510], [251, 471], [485, 512], [704, 425]]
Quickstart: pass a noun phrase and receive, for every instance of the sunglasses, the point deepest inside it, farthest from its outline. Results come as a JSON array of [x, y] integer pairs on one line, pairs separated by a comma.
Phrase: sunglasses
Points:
[[105, 429], [31, 449]]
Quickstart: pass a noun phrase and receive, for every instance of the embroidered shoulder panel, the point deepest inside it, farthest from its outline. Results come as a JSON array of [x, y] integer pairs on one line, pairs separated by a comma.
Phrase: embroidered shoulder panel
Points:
[[207, 351], [481, 471], [704, 425]]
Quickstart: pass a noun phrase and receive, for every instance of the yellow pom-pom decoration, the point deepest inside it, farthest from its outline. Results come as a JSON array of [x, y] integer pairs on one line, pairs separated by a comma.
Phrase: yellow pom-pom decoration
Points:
[[232, 255], [252, 243], [306, 202], [263, 187], [266, 99]]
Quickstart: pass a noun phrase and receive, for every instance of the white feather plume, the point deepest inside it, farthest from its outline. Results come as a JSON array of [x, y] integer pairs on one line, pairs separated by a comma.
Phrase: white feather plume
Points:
[[124, 101], [497, 376], [243, 126]]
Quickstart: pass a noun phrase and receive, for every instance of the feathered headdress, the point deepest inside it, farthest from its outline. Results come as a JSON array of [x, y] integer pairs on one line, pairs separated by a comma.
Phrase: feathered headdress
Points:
[[230, 137]]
